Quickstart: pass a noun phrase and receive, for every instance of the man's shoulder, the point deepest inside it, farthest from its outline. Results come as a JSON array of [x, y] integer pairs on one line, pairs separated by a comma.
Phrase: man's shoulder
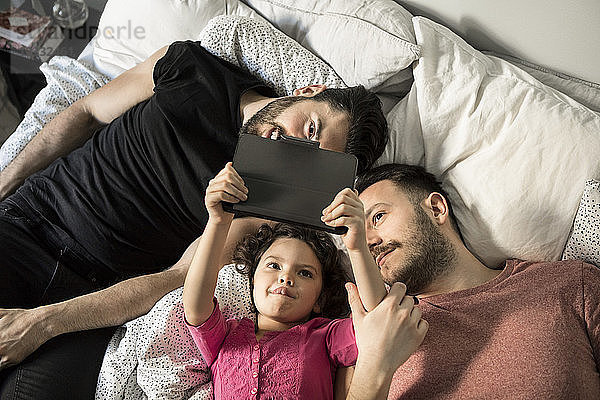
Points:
[[187, 49], [555, 270], [190, 61]]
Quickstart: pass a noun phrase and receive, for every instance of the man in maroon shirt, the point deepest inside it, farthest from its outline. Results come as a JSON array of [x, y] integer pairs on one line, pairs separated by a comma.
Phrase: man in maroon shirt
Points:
[[529, 330]]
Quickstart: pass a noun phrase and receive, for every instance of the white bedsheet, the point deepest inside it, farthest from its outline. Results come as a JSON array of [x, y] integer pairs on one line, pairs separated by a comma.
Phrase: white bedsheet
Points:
[[67, 81], [154, 356]]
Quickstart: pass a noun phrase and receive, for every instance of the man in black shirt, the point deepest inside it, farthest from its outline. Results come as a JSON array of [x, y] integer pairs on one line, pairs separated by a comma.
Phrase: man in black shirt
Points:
[[119, 194]]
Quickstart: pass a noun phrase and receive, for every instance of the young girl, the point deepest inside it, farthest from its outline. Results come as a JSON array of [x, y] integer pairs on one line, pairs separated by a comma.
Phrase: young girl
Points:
[[296, 280]]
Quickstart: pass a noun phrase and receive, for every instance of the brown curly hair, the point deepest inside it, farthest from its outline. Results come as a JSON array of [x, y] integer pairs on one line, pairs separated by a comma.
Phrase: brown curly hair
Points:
[[333, 301]]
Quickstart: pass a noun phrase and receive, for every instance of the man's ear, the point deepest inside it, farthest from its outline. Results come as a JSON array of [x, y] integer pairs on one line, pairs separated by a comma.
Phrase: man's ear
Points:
[[437, 206], [309, 91]]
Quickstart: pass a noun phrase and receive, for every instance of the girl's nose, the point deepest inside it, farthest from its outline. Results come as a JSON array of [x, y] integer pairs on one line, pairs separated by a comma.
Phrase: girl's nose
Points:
[[286, 280]]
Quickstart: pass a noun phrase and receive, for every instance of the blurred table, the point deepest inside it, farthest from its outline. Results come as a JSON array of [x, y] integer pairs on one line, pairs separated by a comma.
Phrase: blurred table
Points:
[[23, 76]]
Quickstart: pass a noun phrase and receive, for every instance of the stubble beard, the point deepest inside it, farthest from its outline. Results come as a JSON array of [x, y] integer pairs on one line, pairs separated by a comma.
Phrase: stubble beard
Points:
[[429, 255]]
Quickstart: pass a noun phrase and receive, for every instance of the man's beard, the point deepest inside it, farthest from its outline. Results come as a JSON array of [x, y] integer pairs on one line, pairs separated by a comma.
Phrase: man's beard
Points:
[[267, 116], [428, 255]]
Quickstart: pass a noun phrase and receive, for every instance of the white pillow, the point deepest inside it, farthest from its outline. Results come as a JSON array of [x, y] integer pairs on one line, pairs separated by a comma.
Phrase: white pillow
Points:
[[512, 152], [257, 47], [129, 31], [367, 42], [406, 140], [584, 92]]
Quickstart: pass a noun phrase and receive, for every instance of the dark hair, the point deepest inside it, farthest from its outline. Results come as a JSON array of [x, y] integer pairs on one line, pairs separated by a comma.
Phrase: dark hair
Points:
[[333, 299], [413, 180], [368, 132]]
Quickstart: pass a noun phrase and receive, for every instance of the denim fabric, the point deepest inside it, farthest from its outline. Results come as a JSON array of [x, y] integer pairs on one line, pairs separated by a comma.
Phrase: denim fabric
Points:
[[40, 264], [65, 367]]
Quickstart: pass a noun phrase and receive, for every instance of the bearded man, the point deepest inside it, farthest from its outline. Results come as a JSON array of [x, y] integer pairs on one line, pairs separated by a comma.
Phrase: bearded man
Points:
[[122, 174], [527, 330]]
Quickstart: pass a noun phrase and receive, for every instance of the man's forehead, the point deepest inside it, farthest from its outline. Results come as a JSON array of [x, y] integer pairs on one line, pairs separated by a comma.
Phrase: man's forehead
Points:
[[334, 126], [384, 191], [324, 109]]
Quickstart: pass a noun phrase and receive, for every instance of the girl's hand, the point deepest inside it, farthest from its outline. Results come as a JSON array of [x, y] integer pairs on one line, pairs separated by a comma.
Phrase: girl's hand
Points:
[[346, 209], [226, 186]]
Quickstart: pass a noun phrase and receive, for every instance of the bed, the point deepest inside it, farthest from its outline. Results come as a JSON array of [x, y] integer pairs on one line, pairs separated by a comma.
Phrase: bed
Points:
[[515, 145]]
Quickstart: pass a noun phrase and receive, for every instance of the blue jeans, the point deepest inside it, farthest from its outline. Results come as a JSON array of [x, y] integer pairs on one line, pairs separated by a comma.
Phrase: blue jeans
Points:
[[65, 367], [40, 264]]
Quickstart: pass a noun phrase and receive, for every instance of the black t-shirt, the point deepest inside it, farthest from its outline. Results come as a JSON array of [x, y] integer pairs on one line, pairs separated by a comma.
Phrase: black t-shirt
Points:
[[133, 195]]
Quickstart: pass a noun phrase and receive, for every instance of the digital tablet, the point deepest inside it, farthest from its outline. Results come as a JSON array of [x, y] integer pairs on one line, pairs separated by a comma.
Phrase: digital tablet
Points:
[[290, 179]]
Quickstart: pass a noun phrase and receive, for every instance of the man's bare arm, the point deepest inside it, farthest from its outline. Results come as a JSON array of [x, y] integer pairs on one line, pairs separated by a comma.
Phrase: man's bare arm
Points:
[[72, 127], [23, 331]]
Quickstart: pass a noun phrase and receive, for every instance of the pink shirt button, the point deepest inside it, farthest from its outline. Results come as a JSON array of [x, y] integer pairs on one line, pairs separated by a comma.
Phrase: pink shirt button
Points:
[[255, 360], [256, 347], [254, 390], [255, 374]]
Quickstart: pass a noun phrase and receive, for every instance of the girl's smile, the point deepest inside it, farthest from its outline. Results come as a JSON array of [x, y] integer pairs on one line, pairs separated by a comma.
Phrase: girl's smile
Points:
[[283, 291]]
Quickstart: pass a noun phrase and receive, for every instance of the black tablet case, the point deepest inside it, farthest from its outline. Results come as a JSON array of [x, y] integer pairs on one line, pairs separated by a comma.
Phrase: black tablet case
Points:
[[290, 179]]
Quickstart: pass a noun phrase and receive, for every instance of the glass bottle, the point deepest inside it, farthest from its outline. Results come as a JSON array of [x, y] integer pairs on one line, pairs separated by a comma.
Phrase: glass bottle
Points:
[[70, 14]]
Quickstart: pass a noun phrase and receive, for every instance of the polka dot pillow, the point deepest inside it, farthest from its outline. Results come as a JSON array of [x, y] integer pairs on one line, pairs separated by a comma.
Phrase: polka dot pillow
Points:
[[263, 51], [584, 240]]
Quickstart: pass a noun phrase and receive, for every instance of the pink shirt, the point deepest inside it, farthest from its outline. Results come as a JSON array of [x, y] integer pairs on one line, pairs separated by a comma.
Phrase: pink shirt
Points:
[[298, 363], [533, 332]]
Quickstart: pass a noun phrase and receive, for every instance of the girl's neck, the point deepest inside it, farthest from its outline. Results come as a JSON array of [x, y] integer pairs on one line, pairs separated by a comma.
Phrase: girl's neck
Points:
[[265, 324]]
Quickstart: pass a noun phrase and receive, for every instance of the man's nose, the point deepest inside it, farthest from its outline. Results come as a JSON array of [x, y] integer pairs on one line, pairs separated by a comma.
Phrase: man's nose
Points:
[[373, 238]]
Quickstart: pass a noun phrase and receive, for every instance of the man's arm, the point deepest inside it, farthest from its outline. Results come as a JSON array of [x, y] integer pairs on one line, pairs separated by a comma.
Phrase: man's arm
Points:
[[23, 331], [386, 337], [72, 127]]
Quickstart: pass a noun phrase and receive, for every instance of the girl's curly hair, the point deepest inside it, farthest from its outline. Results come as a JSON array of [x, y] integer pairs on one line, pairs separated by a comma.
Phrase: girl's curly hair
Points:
[[333, 300]]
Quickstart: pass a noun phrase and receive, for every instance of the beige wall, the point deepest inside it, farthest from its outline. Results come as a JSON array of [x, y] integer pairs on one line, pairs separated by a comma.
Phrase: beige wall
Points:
[[563, 35]]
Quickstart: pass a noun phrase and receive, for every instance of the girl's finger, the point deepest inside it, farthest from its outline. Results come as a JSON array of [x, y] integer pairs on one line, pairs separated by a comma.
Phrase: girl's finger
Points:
[[228, 172], [349, 210], [214, 194], [344, 196], [233, 178], [229, 198], [234, 191], [219, 197], [342, 221]]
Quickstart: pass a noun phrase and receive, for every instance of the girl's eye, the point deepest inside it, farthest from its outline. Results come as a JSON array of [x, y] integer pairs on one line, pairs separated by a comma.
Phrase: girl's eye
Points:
[[377, 217], [273, 266], [306, 273]]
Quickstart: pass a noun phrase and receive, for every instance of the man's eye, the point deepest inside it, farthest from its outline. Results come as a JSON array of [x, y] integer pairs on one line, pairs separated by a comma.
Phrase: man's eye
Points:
[[377, 217], [312, 131], [305, 273], [273, 266]]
